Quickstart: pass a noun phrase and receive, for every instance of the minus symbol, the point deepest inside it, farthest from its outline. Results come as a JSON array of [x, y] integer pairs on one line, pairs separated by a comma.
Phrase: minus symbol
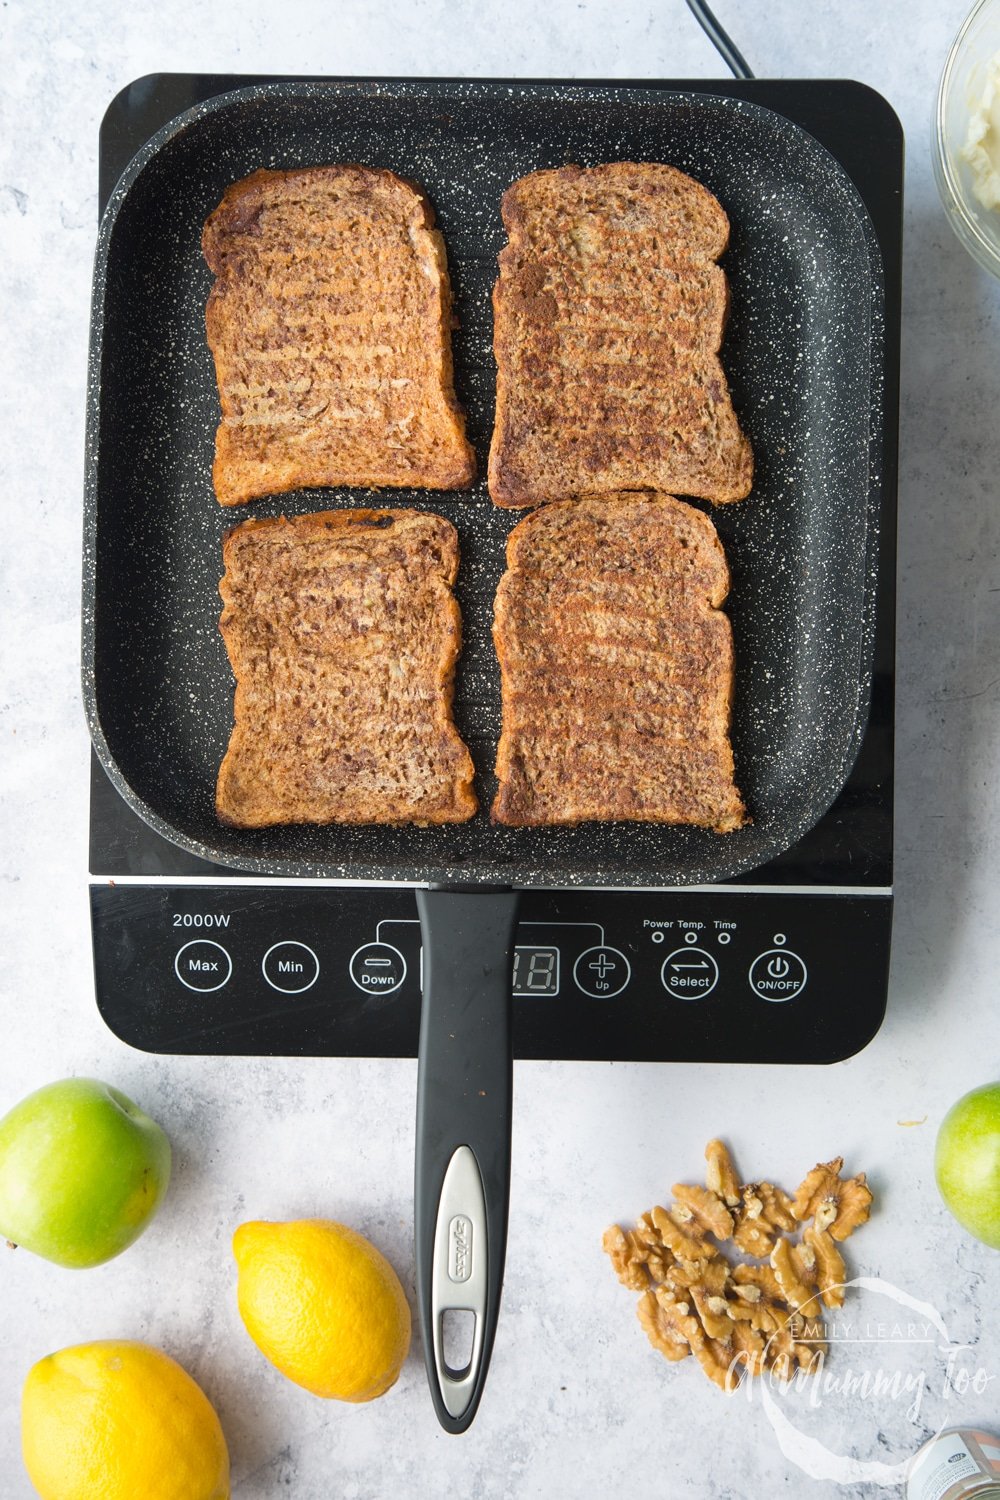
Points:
[[378, 963]]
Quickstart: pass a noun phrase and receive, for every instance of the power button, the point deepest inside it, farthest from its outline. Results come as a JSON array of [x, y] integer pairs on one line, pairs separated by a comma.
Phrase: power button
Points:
[[778, 974]]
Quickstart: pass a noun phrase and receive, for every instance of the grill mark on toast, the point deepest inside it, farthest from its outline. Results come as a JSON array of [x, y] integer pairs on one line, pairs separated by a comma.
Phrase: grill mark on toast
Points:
[[605, 267], [343, 634], [628, 717], [318, 269]]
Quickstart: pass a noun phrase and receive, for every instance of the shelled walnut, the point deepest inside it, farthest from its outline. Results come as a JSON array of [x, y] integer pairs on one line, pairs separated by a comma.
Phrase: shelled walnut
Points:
[[833, 1202], [738, 1316]]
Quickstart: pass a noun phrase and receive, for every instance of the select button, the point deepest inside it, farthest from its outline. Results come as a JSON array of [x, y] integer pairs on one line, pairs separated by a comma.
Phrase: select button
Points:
[[290, 967], [689, 973]]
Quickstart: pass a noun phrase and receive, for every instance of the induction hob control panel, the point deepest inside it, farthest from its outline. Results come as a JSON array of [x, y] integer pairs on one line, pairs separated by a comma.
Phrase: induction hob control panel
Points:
[[721, 975]]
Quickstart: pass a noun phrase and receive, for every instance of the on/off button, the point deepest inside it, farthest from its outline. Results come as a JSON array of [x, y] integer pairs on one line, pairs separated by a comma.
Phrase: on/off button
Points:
[[778, 975]]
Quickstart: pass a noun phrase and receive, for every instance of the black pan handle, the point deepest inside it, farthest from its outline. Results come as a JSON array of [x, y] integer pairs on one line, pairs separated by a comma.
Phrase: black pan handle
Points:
[[463, 1131]]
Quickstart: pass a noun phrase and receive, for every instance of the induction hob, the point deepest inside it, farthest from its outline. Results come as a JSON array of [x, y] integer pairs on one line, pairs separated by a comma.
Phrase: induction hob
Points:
[[788, 963]]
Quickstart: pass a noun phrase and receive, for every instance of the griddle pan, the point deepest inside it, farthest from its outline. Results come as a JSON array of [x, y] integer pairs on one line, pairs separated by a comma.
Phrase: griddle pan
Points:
[[804, 354]]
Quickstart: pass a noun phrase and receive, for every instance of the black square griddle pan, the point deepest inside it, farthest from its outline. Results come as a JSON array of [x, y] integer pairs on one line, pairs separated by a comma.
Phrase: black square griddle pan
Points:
[[805, 356]]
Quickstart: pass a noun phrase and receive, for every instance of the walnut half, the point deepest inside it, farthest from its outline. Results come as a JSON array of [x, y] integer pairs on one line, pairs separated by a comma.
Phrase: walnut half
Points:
[[830, 1268], [720, 1174], [627, 1256], [667, 1328], [764, 1212], [833, 1202]]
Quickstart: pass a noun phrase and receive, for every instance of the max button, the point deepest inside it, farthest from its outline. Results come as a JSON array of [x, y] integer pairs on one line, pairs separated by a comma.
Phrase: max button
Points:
[[378, 968], [602, 972], [290, 967], [778, 975], [203, 965]]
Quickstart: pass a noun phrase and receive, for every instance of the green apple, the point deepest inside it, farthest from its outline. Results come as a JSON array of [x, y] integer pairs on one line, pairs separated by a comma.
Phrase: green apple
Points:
[[967, 1162], [82, 1172]]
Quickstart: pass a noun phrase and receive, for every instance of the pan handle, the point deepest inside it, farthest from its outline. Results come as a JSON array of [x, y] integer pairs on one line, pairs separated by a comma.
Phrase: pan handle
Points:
[[463, 1131]]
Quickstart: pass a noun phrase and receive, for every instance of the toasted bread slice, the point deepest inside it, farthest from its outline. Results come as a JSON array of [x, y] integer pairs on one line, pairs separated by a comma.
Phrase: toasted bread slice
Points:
[[617, 667], [343, 634], [608, 319], [330, 324]]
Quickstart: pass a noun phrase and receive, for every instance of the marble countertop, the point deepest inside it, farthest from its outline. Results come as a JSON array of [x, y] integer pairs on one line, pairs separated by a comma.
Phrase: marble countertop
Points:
[[577, 1403]]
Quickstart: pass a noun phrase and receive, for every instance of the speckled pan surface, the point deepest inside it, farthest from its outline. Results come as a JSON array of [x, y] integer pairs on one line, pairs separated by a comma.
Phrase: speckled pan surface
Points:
[[804, 353]]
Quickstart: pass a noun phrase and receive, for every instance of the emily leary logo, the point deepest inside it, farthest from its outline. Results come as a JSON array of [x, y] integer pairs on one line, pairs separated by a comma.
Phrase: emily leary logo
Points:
[[894, 1360]]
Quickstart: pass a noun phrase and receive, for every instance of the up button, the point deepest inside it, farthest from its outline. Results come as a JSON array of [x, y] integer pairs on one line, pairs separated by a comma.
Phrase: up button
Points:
[[602, 972]]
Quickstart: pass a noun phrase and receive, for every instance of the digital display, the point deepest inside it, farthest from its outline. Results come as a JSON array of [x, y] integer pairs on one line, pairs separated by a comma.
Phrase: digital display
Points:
[[536, 971]]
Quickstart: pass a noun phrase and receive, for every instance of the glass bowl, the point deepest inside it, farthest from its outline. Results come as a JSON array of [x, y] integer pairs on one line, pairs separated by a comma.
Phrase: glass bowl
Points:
[[961, 88]]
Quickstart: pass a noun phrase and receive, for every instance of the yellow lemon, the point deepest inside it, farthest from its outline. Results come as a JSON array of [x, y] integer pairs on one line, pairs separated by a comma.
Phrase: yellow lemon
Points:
[[119, 1420], [323, 1305]]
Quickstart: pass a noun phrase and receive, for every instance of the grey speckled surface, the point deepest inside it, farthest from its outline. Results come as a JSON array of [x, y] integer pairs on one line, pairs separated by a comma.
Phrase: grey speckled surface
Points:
[[577, 1404], [804, 351]]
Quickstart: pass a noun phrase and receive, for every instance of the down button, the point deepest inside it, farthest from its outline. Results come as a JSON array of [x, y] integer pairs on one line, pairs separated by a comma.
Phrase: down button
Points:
[[378, 968]]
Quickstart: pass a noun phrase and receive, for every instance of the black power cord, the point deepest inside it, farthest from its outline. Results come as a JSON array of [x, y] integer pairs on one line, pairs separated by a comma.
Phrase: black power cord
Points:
[[731, 55]]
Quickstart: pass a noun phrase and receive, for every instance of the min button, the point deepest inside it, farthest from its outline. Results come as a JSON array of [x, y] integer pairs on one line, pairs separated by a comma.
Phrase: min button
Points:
[[290, 967]]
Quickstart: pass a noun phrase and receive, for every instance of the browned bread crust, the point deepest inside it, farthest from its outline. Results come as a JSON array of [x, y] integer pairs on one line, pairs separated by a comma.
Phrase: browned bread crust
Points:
[[608, 318], [343, 633], [330, 324], [616, 664]]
